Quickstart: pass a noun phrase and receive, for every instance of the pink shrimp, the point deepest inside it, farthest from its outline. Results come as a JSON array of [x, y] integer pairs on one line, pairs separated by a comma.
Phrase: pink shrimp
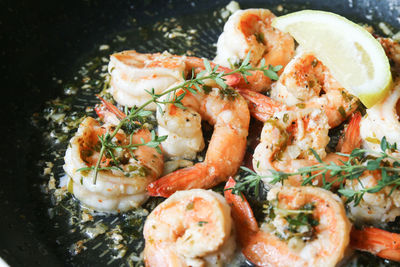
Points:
[[251, 31], [122, 180], [230, 117], [263, 247], [290, 132], [133, 74], [307, 81]]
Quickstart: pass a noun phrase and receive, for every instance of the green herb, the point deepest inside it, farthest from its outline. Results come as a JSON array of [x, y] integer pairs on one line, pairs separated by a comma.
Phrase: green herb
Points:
[[314, 63], [253, 180], [228, 93], [311, 83], [302, 224], [190, 206], [192, 85], [285, 118], [260, 37], [201, 223], [348, 97], [342, 112], [358, 162], [301, 221]]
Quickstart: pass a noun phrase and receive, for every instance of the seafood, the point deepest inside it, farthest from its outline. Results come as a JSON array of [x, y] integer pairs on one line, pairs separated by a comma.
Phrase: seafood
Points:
[[382, 206], [320, 241], [229, 114], [303, 225], [190, 228], [307, 81], [183, 128], [386, 115], [250, 30], [392, 49], [377, 241], [115, 190], [133, 74], [286, 140]]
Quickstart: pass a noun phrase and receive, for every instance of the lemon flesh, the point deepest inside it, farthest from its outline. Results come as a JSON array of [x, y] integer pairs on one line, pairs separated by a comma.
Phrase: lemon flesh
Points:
[[354, 57]]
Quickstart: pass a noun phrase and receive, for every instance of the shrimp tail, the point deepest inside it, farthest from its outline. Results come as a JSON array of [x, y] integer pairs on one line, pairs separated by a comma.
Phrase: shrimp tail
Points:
[[110, 107], [261, 106], [352, 137], [232, 79], [241, 212], [377, 241], [197, 176], [198, 64]]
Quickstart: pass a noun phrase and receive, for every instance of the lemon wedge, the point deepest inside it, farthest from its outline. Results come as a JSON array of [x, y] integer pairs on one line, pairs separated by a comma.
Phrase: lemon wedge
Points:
[[355, 58]]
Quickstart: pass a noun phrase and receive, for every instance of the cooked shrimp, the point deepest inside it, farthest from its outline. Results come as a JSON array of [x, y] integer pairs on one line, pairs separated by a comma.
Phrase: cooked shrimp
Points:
[[386, 115], [288, 136], [286, 140], [190, 228], [230, 116], [307, 81], [183, 128], [376, 241], [392, 49], [320, 240], [133, 73], [379, 207], [115, 190], [250, 30]]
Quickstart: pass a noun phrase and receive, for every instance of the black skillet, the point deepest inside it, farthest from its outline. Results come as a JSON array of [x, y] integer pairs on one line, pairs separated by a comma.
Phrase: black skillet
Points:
[[45, 39]]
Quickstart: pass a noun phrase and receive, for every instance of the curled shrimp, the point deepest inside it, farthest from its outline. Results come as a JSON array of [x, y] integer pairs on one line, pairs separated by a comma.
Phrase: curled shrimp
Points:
[[386, 114], [320, 241], [117, 188], [307, 81], [190, 228], [133, 74], [250, 30], [290, 132], [229, 114], [286, 140], [379, 242]]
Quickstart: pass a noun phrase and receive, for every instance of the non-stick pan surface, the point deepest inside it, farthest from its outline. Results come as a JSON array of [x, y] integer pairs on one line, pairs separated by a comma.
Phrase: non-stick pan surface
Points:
[[45, 39]]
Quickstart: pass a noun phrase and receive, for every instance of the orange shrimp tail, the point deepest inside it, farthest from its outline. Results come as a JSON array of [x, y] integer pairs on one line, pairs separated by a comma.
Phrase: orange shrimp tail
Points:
[[231, 80], [258, 246], [241, 212], [197, 176], [377, 241], [257, 82], [110, 107], [198, 64], [261, 106], [352, 138]]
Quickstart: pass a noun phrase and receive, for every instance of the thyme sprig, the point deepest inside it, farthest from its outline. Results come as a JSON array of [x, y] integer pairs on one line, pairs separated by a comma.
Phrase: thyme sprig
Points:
[[300, 221], [359, 161], [193, 84]]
